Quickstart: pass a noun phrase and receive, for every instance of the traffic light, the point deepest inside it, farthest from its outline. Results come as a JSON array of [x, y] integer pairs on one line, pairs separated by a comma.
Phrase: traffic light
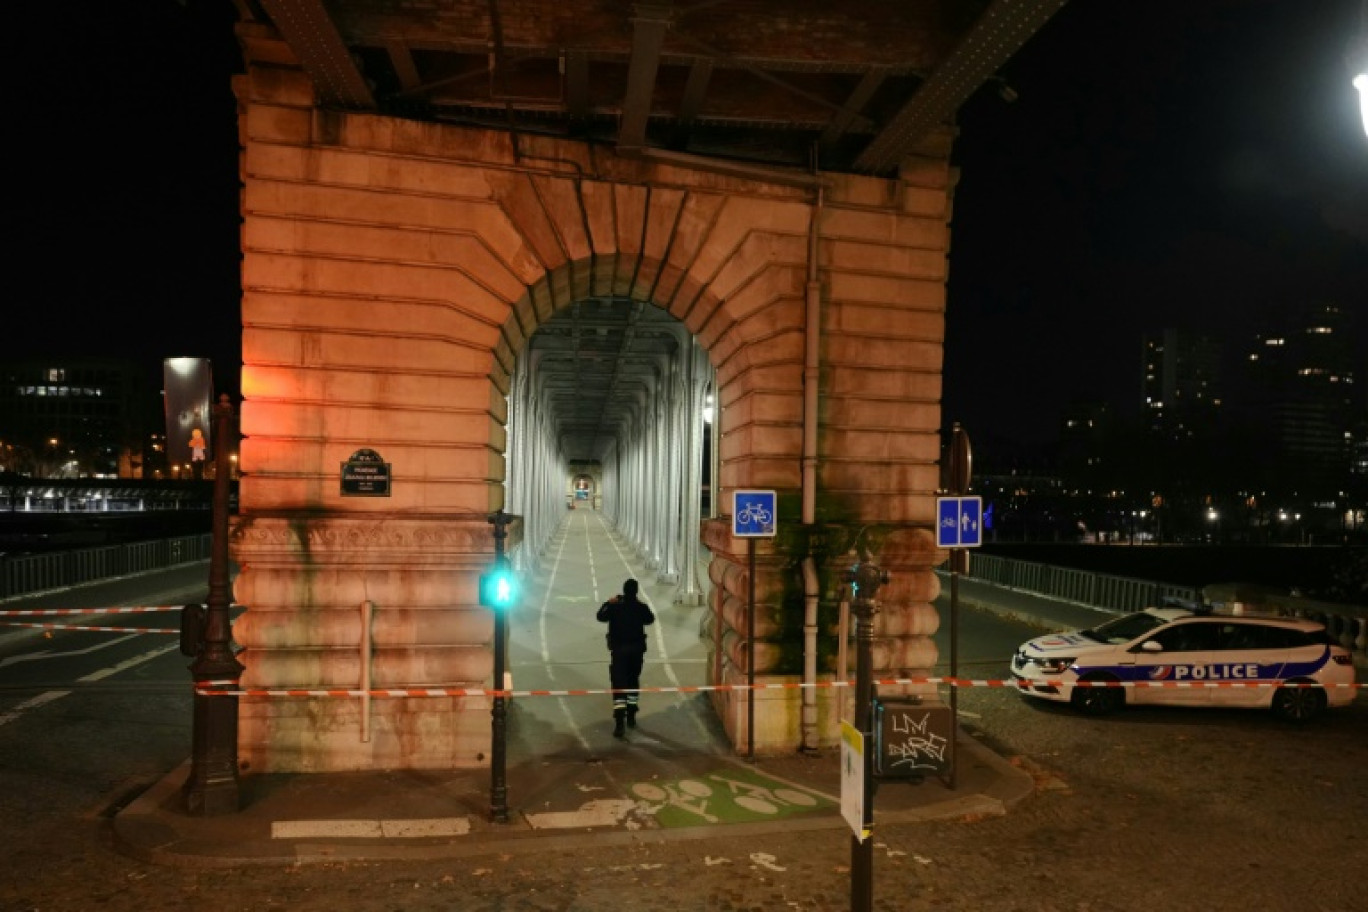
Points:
[[499, 588]]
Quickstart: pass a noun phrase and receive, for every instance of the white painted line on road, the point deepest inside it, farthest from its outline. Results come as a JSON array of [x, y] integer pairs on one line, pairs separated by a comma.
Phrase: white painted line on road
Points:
[[546, 644], [593, 570], [49, 654], [606, 812], [33, 703], [546, 598], [127, 664], [101, 674], [371, 829]]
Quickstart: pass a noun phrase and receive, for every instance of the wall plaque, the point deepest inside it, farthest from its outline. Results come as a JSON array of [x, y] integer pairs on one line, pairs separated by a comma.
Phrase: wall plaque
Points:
[[365, 474]]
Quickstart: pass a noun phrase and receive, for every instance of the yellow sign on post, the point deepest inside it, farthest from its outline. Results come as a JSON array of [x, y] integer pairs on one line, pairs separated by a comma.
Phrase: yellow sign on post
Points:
[[853, 780]]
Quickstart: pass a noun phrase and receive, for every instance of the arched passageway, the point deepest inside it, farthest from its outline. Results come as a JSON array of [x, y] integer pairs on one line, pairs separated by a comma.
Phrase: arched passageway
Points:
[[616, 389], [395, 276], [606, 418]]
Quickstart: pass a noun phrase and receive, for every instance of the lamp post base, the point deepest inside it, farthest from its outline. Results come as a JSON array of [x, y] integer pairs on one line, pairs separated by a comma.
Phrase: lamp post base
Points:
[[213, 798], [212, 787]]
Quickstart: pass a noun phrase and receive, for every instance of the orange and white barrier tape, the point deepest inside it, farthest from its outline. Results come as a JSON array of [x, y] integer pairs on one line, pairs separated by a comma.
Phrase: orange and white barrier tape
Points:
[[60, 612], [68, 612], [208, 688], [51, 626]]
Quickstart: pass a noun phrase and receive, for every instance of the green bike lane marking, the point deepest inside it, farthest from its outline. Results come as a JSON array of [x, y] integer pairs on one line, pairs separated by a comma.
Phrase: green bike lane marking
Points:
[[727, 795]]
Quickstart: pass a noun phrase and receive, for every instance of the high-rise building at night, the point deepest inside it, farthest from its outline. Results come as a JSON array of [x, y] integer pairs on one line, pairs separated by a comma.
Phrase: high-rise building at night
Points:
[[73, 417], [1303, 398], [1181, 386], [1083, 435]]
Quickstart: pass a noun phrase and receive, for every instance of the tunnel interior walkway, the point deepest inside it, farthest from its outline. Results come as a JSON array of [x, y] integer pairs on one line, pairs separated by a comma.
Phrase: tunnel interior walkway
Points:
[[556, 644], [609, 395]]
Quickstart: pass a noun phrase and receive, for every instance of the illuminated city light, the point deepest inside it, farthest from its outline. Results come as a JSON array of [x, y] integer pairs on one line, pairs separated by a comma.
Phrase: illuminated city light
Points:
[[1361, 83]]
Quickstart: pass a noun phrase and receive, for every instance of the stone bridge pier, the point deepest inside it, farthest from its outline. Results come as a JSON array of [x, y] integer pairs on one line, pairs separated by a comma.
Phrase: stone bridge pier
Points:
[[393, 275]]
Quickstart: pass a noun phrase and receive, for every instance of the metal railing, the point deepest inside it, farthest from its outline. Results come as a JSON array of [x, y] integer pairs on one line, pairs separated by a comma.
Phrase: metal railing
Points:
[[1097, 590], [1348, 624], [22, 574]]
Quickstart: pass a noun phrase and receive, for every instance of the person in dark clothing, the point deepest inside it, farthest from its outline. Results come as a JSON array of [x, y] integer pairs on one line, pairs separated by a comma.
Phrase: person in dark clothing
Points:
[[627, 618]]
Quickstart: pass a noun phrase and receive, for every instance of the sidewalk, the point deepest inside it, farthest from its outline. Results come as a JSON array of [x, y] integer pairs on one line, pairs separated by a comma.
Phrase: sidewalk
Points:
[[644, 788], [640, 790]]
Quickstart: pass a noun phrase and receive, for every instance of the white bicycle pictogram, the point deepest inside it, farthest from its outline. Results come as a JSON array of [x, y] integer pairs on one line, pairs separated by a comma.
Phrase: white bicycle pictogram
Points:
[[754, 513], [760, 800], [694, 796], [687, 795]]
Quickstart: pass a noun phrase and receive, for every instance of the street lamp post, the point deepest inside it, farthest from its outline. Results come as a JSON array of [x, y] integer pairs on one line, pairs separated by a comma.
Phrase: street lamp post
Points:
[[212, 787], [866, 577]]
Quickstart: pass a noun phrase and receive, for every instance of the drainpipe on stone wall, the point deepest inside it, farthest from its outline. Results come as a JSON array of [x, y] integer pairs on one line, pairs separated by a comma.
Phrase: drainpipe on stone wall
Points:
[[367, 615], [811, 581]]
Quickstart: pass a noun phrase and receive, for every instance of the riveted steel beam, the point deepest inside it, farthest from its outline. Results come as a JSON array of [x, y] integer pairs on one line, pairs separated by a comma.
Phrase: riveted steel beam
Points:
[[649, 24], [311, 34], [994, 38]]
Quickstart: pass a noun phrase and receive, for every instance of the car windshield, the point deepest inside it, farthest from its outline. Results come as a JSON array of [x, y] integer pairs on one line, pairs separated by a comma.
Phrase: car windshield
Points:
[[1125, 628]]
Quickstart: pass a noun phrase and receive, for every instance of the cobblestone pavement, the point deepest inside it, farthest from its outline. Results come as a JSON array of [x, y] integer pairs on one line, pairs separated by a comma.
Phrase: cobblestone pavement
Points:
[[1154, 808]]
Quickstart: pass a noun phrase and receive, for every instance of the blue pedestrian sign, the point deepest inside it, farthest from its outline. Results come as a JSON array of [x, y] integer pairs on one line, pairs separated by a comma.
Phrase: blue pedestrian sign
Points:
[[959, 522], [754, 514]]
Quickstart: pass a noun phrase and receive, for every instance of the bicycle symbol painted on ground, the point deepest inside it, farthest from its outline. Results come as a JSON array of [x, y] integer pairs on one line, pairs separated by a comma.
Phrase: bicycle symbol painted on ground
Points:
[[730, 797]]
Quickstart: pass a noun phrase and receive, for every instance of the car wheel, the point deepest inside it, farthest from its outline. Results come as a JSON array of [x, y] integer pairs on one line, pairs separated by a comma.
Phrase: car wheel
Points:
[[1298, 704], [1098, 701]]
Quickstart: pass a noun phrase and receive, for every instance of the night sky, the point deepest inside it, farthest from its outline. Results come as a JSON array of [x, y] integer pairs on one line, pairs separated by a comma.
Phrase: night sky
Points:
[[1197, 164], [1191, 163], [123, 237]]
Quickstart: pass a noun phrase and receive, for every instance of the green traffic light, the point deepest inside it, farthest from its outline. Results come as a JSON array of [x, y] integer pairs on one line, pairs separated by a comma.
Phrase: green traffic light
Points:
[[499, 589]]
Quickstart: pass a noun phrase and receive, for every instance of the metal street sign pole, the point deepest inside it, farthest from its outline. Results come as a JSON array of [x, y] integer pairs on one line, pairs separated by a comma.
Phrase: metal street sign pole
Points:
[[750, 649], [755, 514], [961, 468]]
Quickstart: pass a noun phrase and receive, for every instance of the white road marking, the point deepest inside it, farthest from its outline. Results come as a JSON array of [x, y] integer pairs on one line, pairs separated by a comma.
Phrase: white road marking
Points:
[[542, 631], [609, 812], [49, 654], [370, 829], [99, 675], [593, 568], [127, 664], [766, 860], [33, 703], [541, 621]]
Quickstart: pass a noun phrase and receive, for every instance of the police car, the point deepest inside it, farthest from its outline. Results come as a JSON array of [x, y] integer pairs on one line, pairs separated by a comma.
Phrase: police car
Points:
[[1184, 657]]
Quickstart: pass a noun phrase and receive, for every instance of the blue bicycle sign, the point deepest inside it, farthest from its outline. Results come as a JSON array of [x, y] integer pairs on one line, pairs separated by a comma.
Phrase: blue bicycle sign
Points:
[[753, 514]]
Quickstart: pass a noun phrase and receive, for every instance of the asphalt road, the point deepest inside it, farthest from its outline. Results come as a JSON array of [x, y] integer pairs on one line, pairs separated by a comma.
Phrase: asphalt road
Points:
[[1168, 808]]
